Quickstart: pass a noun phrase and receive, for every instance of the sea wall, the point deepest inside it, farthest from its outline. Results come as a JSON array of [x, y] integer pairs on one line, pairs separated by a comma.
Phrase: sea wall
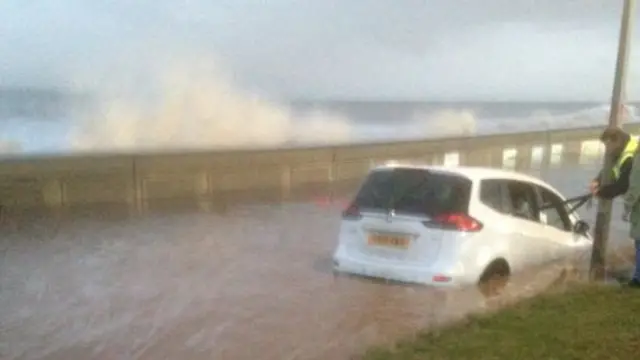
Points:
[[139, 182]]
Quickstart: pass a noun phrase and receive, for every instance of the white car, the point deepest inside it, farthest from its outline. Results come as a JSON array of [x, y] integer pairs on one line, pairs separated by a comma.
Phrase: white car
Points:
[[451, 226]]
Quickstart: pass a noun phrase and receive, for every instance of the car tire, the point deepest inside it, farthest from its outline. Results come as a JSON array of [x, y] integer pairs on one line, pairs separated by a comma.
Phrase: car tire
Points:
[[495, 278]]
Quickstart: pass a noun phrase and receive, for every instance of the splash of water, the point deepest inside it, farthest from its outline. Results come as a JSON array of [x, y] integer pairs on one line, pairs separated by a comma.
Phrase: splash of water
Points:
[[9, 146], [195, 106], [447, 122]]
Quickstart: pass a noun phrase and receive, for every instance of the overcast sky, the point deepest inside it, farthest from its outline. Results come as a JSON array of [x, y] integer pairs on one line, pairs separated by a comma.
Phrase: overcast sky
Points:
[[430, 49]]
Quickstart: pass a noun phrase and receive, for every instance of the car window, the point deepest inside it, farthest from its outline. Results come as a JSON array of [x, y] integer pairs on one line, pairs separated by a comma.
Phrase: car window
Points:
[[522, 197], [552, 210], [414, 191], [493, 193]]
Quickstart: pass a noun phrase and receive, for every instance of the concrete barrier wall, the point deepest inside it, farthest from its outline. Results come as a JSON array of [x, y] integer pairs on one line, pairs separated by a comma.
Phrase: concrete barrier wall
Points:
[[137, 182]]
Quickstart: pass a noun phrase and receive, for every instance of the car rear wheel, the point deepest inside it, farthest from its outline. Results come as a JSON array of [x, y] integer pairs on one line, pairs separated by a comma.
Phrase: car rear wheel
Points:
[[495, 278]]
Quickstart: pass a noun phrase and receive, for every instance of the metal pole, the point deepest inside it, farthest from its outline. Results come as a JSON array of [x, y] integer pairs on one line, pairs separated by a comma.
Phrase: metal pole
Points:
[[603, 217]]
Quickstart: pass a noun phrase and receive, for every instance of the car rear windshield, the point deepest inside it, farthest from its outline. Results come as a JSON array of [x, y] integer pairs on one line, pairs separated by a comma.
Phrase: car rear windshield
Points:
[[414, 191]]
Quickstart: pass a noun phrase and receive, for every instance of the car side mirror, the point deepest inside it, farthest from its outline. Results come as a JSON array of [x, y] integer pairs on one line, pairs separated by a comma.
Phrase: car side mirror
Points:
[[581, 227]]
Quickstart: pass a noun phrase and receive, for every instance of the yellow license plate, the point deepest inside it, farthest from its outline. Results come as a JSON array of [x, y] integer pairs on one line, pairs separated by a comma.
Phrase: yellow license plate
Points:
[[395, 241]]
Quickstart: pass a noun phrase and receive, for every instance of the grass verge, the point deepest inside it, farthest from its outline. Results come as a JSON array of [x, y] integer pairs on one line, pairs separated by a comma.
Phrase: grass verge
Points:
[[586, 322]]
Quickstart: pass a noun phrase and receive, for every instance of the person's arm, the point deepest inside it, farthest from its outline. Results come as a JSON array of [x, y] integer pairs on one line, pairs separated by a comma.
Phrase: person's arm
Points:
[[621, 185], [598, 177], [595, 183], [633, 193]]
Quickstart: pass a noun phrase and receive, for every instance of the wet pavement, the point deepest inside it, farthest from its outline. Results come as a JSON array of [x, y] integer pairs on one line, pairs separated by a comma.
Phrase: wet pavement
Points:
[[253, 282]]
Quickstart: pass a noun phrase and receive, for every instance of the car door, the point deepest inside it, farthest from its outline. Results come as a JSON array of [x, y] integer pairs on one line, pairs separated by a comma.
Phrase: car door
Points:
[[524, 215], [557, 226], [494, 194]]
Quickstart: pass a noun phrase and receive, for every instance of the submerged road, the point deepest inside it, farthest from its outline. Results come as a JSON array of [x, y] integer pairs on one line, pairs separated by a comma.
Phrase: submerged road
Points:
[[252, 283]]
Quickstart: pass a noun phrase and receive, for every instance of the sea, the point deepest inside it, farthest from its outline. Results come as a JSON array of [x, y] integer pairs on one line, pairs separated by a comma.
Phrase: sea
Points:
[[49, 121]]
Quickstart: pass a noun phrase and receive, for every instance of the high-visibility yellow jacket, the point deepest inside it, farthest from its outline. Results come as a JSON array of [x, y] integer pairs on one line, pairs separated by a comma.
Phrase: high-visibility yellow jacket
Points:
[[628, 153], [621, 167]]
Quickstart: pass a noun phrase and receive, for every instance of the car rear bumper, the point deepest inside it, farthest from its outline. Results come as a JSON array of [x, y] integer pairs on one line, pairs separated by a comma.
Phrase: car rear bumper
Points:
[[426, 275]]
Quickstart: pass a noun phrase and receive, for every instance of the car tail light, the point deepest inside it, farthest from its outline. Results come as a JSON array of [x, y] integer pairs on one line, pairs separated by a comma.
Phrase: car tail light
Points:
[[439, 278], [455, 221], [352, 212]]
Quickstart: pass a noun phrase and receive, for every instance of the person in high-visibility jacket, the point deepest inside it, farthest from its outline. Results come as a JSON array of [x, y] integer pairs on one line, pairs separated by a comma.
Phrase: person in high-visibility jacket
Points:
[[621, 148], [632, 214]]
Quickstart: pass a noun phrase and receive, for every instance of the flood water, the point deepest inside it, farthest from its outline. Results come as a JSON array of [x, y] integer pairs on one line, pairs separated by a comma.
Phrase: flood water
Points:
[[254, 282]]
